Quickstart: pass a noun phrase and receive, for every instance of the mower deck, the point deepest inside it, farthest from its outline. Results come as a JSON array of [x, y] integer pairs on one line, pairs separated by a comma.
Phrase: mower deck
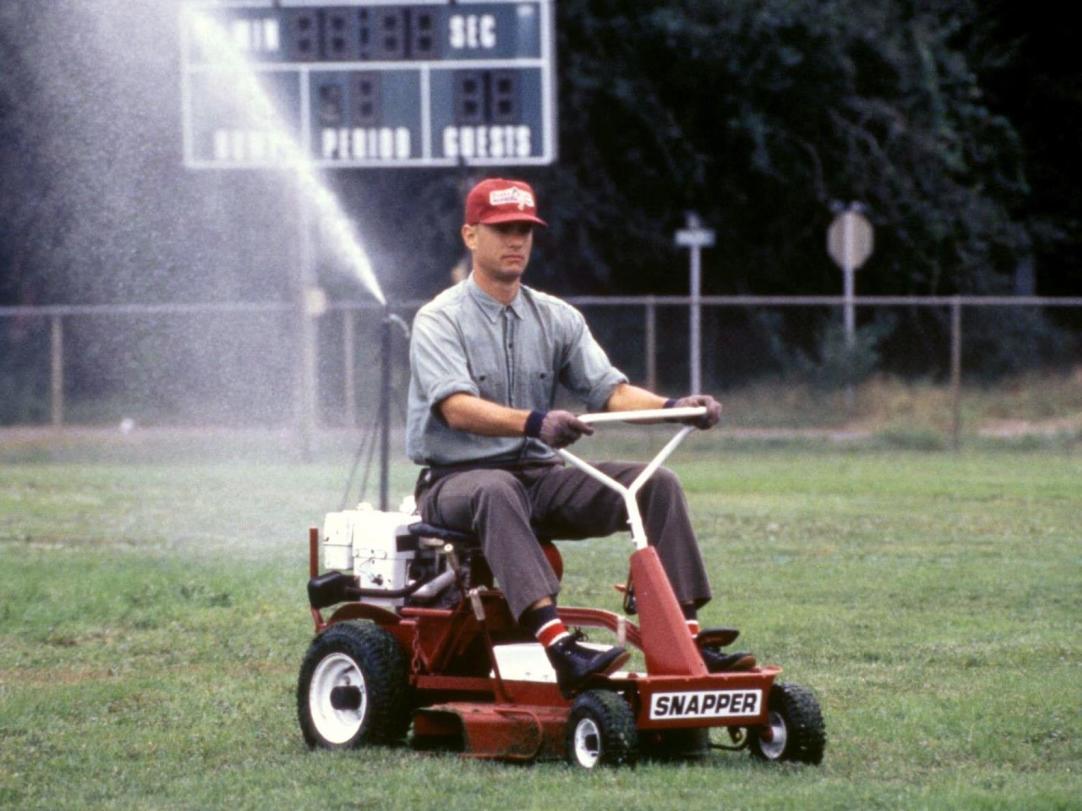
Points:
[[531, 724]]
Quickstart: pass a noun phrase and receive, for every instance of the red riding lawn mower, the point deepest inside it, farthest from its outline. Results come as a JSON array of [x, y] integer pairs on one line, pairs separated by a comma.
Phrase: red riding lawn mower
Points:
[[419, 636]]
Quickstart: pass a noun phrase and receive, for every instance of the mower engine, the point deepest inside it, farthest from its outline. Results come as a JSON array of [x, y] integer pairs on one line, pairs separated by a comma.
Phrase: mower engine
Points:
[[375, 547]]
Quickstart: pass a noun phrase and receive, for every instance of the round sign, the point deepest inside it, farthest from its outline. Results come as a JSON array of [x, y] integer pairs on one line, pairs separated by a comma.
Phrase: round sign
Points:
[[850, 240]]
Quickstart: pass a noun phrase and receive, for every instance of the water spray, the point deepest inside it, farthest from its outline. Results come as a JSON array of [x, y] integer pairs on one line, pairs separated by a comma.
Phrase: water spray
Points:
[[316, 200], [334, 223]]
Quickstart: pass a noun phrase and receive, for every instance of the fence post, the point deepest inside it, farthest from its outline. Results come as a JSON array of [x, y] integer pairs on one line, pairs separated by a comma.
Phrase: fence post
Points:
[[956, 371], [651, 344], [56, 370], [349, 362]]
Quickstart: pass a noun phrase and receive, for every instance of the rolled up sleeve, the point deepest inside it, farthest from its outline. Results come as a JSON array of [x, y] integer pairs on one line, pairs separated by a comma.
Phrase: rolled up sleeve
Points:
[[438, 360], [587, 371]]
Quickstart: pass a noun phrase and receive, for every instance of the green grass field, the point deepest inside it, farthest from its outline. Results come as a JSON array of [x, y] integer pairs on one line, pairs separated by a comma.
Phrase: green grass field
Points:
[[153, 619]]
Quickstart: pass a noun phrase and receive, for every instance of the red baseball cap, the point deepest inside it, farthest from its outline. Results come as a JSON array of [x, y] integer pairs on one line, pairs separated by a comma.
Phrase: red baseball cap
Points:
[[498, 200]]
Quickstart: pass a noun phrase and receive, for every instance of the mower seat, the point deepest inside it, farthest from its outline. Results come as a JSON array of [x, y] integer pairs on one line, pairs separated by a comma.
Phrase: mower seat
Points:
[[468, 542], [455, 537]]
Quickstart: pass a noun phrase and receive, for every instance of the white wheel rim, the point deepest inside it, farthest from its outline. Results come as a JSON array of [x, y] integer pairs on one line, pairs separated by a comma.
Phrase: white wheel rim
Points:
[[773, 748], [335, 725], [587, 743]]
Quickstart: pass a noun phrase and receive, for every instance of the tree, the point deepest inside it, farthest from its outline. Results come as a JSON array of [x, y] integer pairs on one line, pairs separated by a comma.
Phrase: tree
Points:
[[759, 113]]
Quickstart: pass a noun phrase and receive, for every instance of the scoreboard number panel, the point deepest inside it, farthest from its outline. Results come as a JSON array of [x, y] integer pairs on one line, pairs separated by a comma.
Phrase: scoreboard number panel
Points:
[[375, 83]]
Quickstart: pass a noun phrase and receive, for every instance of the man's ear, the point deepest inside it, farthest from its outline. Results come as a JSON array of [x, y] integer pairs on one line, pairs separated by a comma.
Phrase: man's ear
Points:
[[469, 236]]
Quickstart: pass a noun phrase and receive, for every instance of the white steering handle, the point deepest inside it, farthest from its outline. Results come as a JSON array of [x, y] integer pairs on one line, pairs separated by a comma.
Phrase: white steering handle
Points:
[[643, 414], [638, 532]]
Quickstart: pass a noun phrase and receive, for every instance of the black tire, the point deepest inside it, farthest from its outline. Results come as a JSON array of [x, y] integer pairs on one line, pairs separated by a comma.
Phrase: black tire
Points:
[[353, 688], [601, 731], [797, 723]]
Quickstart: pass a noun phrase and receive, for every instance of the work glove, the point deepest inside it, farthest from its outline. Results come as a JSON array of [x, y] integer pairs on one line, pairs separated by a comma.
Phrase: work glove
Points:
[[557, 429], [707, 420]]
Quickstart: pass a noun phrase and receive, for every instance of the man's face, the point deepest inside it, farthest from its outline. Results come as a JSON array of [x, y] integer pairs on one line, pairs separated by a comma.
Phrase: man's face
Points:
[[500, 251]]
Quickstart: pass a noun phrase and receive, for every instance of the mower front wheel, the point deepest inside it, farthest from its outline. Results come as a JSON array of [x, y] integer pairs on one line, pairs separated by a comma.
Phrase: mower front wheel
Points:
[[352, 689], [796, 728], [601, 731]]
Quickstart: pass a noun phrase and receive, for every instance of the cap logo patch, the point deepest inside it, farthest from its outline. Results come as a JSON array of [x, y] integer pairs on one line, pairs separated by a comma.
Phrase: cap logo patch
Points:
[[513, 196]]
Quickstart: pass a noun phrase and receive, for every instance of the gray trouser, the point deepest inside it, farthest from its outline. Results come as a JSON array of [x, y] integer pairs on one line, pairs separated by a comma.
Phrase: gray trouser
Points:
[[506, 507]]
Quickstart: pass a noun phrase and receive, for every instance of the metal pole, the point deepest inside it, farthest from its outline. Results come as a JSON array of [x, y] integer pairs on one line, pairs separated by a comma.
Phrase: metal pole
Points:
[[307, 381], [956, 371], [305, 377], [385, 415], [694, 237], [696, 321], [349, 362], [849, 276], [56, 370], [651, 344], [849, 272], [850, 306], [850, 330]]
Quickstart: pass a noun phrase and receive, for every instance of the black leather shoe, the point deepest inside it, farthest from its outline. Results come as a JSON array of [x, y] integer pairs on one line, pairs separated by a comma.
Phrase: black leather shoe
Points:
[[575, 663], [718, 661]]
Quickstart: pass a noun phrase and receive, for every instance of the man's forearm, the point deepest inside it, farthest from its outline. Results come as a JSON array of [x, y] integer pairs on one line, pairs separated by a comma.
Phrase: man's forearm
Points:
[[465, 412], [626, 397]]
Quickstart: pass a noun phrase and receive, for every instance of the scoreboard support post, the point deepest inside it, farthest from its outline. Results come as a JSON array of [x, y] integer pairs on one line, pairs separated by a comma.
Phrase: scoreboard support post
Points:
[[305, 398]]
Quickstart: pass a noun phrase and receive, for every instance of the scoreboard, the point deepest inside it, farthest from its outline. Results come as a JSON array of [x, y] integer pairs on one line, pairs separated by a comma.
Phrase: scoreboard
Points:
[[373, 83]]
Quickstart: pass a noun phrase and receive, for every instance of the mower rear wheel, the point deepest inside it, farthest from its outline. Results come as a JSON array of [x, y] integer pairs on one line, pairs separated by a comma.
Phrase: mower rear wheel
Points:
[[601, 731], [353, 688], [797, 732]]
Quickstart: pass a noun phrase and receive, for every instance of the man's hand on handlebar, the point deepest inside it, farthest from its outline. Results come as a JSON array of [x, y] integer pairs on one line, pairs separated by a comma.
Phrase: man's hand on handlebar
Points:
[[707, 420], [557, 429]]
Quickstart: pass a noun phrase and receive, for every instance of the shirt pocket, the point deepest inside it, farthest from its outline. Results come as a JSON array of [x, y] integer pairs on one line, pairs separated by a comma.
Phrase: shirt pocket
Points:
[[491, 381], [538, 388]]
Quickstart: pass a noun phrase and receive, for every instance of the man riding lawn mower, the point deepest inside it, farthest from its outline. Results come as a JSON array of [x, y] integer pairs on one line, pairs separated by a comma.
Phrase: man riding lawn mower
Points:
[[487, 357]]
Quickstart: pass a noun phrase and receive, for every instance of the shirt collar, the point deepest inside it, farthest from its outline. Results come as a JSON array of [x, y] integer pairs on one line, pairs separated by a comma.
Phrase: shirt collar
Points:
[[493, 309]]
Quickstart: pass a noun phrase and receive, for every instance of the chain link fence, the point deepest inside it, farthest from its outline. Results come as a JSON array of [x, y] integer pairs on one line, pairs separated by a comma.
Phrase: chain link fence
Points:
[[940, 366]]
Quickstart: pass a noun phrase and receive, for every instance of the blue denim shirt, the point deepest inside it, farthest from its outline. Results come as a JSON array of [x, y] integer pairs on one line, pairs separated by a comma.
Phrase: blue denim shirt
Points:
[[515, 355]]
